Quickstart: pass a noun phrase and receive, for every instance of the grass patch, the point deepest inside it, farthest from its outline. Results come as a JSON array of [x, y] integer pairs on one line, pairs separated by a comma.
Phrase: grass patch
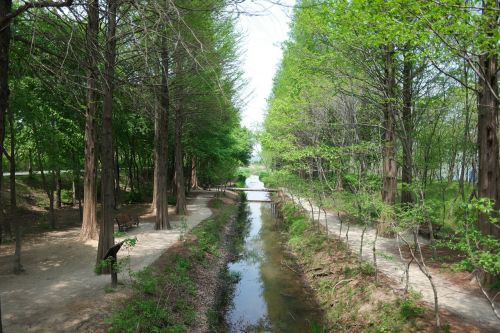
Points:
[[165, 299], [346, 290]]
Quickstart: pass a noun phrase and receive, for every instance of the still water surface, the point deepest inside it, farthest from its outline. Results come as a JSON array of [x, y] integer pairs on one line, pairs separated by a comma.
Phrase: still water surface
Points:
[[269, 296]]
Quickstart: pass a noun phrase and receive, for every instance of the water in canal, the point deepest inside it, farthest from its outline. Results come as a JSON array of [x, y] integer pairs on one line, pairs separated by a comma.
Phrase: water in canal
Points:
[[269, 296]]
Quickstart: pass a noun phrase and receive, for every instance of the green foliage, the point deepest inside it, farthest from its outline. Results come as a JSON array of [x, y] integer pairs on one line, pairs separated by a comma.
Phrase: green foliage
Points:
[[142, 315], [483, 251], [242, 196], [409, 309], [367, 268], [145, 281], [66, 195], [163, 300], [208, 237], [216, 203], [147, 313], [240, 180], [341, 302], [134, 197]]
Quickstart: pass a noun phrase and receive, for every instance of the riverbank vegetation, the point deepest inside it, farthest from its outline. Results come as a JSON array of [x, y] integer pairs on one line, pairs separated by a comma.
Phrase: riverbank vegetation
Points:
[[352, 297], [187, 287], [110, 102]]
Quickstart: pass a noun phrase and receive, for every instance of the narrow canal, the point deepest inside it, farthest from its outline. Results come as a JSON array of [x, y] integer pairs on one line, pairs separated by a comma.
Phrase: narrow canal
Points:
[[269, 296]]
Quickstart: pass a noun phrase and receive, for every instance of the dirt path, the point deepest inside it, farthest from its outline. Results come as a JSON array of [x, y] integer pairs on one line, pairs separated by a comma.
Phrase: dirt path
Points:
[[463, 302], [60, 292]]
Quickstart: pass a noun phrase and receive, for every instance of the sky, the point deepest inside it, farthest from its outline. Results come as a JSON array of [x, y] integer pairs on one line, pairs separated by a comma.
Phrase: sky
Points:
[[262, 37]]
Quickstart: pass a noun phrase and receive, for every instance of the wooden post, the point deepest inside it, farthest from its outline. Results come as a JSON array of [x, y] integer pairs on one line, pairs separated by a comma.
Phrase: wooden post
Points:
[[114, 272]]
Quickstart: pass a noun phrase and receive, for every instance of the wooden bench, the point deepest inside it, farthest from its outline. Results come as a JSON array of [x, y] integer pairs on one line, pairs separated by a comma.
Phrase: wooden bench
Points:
[[126, 221]]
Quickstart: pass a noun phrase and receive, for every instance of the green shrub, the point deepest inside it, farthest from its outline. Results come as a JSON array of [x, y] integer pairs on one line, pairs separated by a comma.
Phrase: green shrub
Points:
[[464, 265], [240, 180], [66, 195], [216, 203], [134, 197], [145, 281], [409, 309], [141, 315], [367, 268], [172, 200]]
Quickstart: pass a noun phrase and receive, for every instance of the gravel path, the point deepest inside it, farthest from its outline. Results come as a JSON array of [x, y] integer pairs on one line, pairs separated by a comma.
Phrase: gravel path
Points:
[[454, 298], [60, 292]]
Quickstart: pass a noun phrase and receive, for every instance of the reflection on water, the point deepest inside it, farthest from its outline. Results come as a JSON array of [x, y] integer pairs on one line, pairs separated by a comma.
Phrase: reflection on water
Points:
[[269, 296]]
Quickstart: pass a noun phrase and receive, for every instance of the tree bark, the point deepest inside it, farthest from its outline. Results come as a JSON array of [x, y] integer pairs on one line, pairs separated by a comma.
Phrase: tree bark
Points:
[[106, 234], [179, 165], [466, 134], [50, 194], [195, 184], [161, 145], [12, 160], [117, 179], [89, 219], [5, 8], [407, 137], [180, 189], [487, 137], [30, 163], [389, 148], [130, 171], [58, 189], [18, 267], [49, 190], [73, 194]]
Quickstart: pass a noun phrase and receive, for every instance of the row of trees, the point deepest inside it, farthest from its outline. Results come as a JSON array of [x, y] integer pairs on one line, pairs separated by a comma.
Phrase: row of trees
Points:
[[140, 95], [375, 93], [391, 89]]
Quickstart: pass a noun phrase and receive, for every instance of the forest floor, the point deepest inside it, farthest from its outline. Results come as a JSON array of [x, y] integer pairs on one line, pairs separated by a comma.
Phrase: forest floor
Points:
[[458, 292], [59, 291]]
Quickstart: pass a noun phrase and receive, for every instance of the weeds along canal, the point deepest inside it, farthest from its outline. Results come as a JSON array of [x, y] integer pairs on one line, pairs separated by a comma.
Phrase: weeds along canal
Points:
[[269, 295]]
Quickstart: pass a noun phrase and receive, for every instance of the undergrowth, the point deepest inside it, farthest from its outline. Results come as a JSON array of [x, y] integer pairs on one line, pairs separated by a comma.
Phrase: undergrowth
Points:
[[164, 300], [346, 288]]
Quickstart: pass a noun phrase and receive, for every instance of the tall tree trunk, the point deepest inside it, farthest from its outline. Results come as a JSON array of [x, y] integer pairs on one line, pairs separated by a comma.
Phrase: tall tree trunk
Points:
[[161, 146], [30, 163], [12, 160], [134, 169], [73, 192], [130, 173], [195, 184], [18, 267], [117, 179], [451, 165], [50, 194], [89, 219], [106, 234], [487, 137], [389, 148], [180, 189], [155, 164], [466, 133], [58, 189], [179, 165], [49, 190], [407, 137], [5, 8]]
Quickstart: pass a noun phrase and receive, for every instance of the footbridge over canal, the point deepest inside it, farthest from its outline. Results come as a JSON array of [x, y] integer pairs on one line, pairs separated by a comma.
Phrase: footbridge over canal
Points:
[[245, 189]]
